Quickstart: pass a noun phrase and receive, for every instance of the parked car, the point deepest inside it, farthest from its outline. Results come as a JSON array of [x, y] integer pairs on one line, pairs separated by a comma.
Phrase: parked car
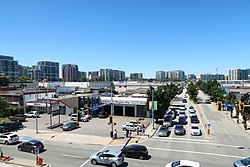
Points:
[[4, 128], [179, 129], [132, 126], [183, 163], [31, 146], [194, 119], [242, 162], [168, 120], [182, 119], [163, 131], [13, 125], [32, 114], [135, 151], [103, 115], [191, 110], [18, 117], [207, 101], [9, 138], [83, 117], [107, 157], [195, 130], [70, 126], [184, 100]]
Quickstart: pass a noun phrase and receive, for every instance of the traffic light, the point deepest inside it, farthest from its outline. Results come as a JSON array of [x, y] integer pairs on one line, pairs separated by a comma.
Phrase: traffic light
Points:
[[241, 106], [219, 105], [110, 119]]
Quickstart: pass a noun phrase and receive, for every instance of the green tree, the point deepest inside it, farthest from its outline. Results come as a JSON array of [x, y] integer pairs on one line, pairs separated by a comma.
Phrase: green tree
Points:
[[163, 95], [230, 99], [4, 107], [24, 79], [192, 91], [4, 80]]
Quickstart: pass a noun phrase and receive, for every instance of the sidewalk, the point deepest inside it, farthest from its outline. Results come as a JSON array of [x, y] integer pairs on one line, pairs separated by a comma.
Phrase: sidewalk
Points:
[[76, 138]]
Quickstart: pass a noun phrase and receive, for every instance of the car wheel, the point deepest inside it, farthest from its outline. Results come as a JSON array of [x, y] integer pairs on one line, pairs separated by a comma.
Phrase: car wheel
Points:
[[113, 164], [93, 162], [124, 129], [141, 157], [19, 148], [32, 151], [6, 143]]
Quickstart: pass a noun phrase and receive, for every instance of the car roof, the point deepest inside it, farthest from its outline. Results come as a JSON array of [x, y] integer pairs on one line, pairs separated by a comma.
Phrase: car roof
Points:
[[34, 141], [113, 152], [137, 146], [8, 134], [190, 163], [194, 125]]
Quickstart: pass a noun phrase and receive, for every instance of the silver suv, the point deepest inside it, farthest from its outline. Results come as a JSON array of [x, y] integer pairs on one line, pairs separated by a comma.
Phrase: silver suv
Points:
[[9, 138], [107, 157]]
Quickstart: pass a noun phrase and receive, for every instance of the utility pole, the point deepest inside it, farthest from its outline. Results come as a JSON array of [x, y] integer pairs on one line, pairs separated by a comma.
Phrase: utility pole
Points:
[[36, 110], [153, 121], [112, 125]]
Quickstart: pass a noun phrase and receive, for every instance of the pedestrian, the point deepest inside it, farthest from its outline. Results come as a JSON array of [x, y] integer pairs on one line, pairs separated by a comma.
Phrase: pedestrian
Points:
[[111, 134], [115, 135], [127, 132]]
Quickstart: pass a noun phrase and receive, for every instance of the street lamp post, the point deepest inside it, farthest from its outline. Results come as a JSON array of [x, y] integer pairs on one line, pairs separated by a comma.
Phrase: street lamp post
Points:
[[153, 122], [112, 125], [36, 110]]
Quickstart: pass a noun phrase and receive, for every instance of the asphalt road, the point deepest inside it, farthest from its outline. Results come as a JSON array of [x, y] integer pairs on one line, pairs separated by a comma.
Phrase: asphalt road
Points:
[[229, 142]]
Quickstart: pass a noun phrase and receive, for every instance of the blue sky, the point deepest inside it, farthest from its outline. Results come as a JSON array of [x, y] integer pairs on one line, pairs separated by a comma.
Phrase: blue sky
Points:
[[197, 36]]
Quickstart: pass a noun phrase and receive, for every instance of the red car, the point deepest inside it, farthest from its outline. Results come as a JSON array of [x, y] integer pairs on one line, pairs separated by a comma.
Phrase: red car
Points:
[[18, 117]]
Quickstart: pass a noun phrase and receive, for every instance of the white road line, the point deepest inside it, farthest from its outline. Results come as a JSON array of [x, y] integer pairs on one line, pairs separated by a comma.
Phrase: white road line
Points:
[[196, 152], [182, 139], [89, 159], [72, 156], [201, 143]]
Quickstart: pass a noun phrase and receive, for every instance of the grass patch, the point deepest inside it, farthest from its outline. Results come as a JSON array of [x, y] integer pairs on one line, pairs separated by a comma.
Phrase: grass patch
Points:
[[4, 120]]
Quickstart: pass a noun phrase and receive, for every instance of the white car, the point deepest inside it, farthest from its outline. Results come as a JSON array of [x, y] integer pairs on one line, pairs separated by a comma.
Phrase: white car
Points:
[[183, 163], [32, 114], [242, 162], [132, 125], [192, 111], [195, 130], [9, 138]]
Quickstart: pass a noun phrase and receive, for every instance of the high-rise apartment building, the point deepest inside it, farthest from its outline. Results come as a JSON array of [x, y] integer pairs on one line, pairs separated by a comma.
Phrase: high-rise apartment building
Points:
[[238, 74], [44, 70], [111, 75], [70, 73], [82, 74], [206, 77], [191, 76], [160, 75], [136, 76], [93, 73], [10, 67], [176, 74]]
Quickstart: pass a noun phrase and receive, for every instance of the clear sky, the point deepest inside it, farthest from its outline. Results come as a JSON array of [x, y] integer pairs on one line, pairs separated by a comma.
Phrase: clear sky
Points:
[[197, 36]]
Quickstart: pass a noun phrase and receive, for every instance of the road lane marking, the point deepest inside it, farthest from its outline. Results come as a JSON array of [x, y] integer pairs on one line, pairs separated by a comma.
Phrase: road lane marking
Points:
[[72, 156], [89, 159], [182, 139], [196, 152], [198, 142]]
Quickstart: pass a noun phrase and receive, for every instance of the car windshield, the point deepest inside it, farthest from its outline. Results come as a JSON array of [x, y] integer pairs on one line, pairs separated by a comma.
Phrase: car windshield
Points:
[[174, 164], [246, 161], [163, 128], [195, 127]]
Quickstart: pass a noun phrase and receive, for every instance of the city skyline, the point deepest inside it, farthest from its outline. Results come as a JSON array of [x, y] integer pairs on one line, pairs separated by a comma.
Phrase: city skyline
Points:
[[135, 36]]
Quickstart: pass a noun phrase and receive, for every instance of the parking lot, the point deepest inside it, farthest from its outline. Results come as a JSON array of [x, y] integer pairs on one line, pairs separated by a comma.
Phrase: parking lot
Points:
[[96, 126]]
